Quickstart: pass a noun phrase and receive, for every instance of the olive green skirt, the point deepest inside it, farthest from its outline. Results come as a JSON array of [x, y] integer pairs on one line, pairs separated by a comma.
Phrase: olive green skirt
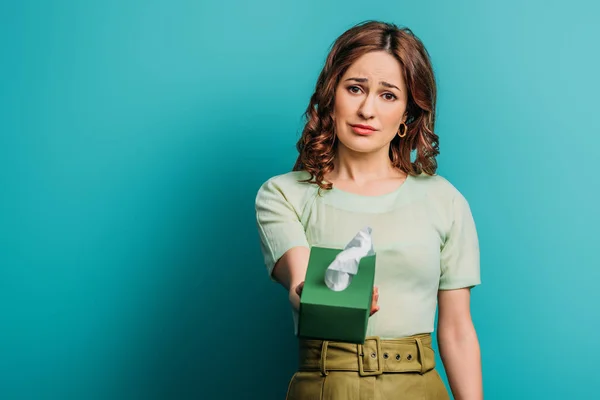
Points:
[[379, 369]]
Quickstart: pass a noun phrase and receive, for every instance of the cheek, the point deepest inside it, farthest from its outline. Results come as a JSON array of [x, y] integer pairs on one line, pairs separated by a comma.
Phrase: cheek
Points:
[[344, 105], [391, 115], [338, 110]]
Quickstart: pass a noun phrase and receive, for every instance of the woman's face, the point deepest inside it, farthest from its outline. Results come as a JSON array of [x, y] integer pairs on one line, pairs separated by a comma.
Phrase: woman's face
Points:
[[370, 103]]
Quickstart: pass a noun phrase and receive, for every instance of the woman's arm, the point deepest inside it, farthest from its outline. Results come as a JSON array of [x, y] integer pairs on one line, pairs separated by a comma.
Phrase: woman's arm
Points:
[[290, 271], [458, 344]]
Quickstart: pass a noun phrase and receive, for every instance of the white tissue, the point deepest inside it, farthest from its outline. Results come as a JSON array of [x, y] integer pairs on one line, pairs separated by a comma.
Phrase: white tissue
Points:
[[340, 272]]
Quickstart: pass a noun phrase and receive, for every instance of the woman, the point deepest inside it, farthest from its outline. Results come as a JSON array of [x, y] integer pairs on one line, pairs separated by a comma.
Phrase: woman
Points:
[[372, 109]]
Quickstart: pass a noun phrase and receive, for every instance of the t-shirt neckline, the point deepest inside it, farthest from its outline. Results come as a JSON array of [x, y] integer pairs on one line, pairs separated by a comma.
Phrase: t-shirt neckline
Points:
[[349, 195], [355, 202]]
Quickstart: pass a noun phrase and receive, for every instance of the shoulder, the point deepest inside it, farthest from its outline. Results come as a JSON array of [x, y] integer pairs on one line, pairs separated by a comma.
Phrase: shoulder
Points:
[[437, 186], [287, 187], [289, 183], [442, 195]]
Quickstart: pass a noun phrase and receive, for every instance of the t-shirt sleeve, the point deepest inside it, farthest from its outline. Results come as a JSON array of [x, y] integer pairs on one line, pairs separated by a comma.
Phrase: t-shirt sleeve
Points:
[[278, 222], [460, 262]]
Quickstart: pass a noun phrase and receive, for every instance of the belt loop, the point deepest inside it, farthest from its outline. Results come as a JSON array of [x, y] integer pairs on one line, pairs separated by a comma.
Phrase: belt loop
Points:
[[421, 355], [323, 361]]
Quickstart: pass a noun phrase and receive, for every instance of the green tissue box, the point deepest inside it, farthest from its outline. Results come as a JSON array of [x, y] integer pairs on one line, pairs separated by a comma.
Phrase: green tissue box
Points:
[[338, 316]]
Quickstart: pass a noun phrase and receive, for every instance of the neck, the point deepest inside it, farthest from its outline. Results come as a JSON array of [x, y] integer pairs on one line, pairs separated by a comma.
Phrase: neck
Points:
[[362, 167]]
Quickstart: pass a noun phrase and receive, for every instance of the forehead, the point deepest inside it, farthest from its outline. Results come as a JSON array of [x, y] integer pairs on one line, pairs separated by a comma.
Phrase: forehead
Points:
[[377, 65]]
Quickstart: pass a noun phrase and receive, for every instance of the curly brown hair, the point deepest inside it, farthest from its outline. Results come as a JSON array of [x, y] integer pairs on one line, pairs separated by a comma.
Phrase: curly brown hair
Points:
[[317, 145]]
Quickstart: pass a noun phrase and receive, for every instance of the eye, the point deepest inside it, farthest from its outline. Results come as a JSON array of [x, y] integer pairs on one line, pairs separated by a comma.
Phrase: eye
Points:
[[389, 96], [354, 89]]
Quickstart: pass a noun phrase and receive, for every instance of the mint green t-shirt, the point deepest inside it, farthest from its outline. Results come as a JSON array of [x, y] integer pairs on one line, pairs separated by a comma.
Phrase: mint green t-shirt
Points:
[[423, 234]]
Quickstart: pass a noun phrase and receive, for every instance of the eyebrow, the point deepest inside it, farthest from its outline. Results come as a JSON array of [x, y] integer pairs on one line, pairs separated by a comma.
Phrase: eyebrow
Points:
[[383, 83]]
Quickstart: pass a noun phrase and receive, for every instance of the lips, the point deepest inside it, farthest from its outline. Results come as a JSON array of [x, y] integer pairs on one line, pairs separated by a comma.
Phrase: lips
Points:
[[363, 129]]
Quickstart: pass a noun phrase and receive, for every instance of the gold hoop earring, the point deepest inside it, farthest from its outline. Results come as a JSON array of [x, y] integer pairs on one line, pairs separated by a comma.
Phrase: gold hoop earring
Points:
[[404, 131]]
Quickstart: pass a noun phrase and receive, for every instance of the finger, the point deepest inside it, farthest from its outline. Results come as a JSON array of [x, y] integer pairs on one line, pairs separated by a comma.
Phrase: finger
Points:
[[374, 306], [374, 303], [375, 299]]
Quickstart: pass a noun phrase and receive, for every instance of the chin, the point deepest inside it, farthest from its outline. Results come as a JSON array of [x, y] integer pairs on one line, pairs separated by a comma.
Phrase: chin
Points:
[[360, 144]]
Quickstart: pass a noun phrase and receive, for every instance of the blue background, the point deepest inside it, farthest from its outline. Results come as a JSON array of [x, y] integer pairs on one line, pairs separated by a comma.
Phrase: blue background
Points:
[[133, 138]]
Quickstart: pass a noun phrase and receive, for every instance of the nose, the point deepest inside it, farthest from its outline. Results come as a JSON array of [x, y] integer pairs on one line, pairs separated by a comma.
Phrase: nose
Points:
[[367, 108]]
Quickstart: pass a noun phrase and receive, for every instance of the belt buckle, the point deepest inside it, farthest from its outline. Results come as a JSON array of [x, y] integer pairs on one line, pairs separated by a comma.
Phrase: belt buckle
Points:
[[361, 354]]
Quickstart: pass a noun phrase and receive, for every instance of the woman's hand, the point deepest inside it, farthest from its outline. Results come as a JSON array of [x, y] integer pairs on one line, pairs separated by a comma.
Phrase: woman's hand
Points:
[[298, 292]]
